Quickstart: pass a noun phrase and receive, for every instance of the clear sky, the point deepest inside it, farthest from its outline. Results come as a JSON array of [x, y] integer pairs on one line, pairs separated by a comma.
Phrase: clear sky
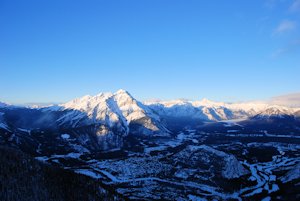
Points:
[[56, 50]]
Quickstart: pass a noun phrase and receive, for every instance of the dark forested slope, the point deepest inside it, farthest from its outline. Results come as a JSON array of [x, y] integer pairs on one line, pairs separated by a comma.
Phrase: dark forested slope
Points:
[[22, 178]]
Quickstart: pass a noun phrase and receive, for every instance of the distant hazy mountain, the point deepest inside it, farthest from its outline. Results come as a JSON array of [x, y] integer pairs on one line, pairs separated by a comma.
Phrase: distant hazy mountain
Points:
[[216, 111]]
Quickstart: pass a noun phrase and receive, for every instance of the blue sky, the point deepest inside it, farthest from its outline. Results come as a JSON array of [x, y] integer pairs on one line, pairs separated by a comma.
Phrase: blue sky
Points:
[[54, 51]]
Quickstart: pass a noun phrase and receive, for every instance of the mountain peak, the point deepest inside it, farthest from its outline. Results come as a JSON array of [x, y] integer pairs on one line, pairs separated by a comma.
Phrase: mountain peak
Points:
[[208, 103], [123, 95], [122, 91]]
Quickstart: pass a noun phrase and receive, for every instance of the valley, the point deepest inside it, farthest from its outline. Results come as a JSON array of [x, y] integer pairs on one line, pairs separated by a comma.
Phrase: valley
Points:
[[157, 172]]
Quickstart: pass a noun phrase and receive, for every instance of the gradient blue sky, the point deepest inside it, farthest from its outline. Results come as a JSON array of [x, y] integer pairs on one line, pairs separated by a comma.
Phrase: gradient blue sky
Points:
[[56, 50]]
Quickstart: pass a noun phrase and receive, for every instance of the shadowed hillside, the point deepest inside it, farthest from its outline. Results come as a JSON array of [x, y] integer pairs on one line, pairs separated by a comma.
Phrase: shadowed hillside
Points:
[[22, 178]]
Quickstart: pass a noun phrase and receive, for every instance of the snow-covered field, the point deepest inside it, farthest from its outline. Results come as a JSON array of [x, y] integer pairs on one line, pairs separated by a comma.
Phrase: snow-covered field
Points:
[[183, 168]]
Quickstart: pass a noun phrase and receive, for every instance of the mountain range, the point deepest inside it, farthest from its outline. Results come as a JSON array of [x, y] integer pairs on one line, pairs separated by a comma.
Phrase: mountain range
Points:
[[163, 150], [102, 122]]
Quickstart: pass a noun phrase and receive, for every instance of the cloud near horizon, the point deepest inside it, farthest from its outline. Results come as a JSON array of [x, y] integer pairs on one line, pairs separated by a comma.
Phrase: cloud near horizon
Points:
[[291, 100]]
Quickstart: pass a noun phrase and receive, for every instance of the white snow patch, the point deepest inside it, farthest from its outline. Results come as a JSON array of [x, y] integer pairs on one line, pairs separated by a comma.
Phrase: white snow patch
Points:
[[266, 199], [292, 174], [24, 130], [42, 158], [196, 198], [195, 141], [3, 125], [88, 173], [232, 131], [257, 191], [274, 188], [65, 136]]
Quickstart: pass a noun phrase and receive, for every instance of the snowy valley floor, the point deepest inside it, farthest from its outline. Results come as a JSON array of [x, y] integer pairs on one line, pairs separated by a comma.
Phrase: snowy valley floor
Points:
[[196, 166]]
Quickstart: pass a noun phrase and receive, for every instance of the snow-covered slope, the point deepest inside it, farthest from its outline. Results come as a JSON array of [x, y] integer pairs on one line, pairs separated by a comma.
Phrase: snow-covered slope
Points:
[[275, 111], [293, 174], [197, 110], [92, 109], [216, 111], [140, 118], [3, 124], [177, 108], [118, 110]]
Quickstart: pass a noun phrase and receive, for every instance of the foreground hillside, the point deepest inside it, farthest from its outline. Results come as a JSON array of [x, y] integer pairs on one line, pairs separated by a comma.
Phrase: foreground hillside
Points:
[[23, 178]]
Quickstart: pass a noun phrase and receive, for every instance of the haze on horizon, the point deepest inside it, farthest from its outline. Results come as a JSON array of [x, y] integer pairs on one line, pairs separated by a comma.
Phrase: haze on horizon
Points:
[[54, 51]]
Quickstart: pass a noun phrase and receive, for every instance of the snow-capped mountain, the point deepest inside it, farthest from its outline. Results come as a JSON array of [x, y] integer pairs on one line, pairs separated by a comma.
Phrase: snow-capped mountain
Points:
[[191, 110], [118, 110], [223, 151], [104, 120], [275, 111], [177, 108], [216, 111]]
